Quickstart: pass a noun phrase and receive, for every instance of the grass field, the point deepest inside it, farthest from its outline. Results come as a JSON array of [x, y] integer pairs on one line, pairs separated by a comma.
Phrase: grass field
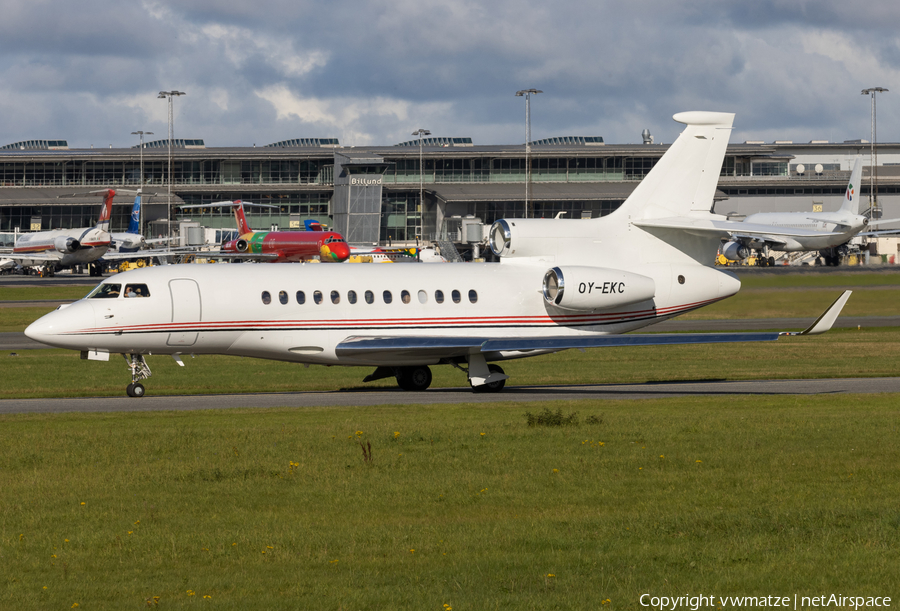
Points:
[[839, 353], [463, 507]]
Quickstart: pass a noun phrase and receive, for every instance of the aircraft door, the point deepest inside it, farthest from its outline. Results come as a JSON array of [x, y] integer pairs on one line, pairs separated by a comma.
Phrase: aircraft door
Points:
[[185, 309]]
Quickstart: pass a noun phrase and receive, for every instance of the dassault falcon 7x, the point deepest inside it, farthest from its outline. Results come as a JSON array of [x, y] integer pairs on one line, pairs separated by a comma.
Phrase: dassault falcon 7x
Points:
[[559, 284]]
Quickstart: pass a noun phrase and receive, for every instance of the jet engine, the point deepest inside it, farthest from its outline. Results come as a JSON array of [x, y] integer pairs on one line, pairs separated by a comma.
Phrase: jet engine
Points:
[[242, 245], [735, 251], [595, 288], [538, 238], [65, 244]]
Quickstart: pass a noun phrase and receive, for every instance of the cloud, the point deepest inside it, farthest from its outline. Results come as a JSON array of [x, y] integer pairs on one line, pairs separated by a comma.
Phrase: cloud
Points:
[[374, 71]]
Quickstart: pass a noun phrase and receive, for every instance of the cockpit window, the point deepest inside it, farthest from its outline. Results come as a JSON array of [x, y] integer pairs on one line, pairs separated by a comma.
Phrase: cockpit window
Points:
[[105, 291], [332, 238], [136, 290]]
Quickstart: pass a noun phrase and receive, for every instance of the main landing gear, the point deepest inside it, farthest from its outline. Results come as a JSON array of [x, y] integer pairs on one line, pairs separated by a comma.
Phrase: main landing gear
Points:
[[482, 377], [139, 371], [414, 378]]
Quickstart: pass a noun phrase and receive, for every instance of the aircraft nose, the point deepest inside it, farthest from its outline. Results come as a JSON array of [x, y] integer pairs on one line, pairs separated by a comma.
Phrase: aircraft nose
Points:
[[58, 328], [335, 251]]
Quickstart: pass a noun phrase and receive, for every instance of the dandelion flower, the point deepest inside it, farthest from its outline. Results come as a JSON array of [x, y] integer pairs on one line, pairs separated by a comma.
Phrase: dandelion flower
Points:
[[698, 461], [556, 470], [396, 434]]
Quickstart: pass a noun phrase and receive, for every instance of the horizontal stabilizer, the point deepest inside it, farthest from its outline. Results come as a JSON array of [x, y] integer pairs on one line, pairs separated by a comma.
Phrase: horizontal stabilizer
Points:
[[728, 227]]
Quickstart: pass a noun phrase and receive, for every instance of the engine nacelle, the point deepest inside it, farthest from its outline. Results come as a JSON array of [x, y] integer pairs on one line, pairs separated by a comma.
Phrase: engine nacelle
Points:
[[518, 238], [735, 251], [595, 288], [242, 245], [65, 244]]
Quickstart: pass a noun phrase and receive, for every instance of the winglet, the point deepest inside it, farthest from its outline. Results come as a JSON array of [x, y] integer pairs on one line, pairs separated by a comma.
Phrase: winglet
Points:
[[826, 320]]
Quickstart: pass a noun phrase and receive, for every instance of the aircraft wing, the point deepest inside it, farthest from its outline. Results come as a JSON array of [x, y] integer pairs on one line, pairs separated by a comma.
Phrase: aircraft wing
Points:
[[724, 227], [449, 347], [32, 257], [362, 348]]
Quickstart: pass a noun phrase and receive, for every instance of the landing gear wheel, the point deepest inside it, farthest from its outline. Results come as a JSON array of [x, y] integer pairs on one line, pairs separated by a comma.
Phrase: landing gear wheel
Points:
[[135, 389], [491, 386], [414, 378], [771, 261]]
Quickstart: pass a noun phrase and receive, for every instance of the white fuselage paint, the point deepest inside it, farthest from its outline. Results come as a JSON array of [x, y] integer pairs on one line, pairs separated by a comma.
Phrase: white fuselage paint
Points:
[[219, 309]]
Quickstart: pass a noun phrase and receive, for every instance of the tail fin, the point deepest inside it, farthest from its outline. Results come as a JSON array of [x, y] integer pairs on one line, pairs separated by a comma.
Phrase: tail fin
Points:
[[106, 210], [243, 225], [134, 225], [683, 182], [851, 197]]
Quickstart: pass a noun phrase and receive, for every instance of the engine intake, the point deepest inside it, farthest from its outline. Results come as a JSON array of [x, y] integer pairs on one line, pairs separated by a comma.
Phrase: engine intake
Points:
[[242, 245], [595, 288], [65, 244], [735, 251]]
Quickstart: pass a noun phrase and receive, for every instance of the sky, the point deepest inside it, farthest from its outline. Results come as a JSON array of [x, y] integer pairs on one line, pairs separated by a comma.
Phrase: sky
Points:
[[371, 72]]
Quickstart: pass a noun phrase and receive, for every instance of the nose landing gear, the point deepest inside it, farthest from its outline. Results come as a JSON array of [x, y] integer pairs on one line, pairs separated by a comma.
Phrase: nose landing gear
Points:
[[139, 371]]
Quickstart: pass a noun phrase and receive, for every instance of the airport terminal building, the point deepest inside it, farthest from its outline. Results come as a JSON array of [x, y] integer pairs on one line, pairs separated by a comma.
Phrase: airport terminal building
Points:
[[451, 189]]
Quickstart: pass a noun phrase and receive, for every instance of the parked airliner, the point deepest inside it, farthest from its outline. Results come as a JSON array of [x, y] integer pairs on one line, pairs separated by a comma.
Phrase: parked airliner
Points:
[[59, 248], [826, 232], [280, 246], [559, 284]]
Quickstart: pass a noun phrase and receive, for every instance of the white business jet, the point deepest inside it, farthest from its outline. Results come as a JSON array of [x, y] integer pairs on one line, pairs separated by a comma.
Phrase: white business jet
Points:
[[560, 284]]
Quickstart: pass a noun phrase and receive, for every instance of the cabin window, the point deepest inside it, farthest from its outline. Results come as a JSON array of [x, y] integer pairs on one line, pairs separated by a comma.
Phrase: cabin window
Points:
[[457, 297], [283, 297], [105, 291], [439, 296], [317, 297], [301, 297], [680, 279], [423, 296], [351, 296], [266, 297], [404, 296], [387, 296], [136, 290], [335, 297], [473, 296], [370, 297]]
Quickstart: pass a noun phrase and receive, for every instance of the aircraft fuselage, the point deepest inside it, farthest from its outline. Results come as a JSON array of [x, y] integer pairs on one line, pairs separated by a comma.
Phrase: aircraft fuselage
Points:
[[301, 312]]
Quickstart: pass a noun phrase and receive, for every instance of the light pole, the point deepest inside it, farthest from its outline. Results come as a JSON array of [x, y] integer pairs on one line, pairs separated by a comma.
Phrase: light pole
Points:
[[421, 132], [141, 179], [169, 95], [873, 197], [527, 93]]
